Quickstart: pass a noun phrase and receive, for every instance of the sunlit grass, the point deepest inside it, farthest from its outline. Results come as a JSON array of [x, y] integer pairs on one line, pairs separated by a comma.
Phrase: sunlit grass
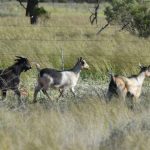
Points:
[[72, 32]]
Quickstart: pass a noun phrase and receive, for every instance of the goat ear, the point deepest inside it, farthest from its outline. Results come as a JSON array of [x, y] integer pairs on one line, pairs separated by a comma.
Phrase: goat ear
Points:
[[80, 59], [141, 66]]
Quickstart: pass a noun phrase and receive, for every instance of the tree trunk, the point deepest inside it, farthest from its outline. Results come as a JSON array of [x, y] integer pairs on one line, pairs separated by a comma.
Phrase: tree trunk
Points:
[[30, 10]]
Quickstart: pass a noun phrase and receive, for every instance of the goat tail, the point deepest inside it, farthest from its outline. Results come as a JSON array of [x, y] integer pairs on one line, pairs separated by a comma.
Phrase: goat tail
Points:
[[38, 67], [110, 73], [112, 76]]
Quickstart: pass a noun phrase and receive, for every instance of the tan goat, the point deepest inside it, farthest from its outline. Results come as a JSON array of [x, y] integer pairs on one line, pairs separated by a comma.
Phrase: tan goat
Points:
[[123, 87]]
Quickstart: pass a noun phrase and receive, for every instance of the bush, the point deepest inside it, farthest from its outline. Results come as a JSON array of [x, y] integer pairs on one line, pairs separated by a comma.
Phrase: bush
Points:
[[40, 11], [132, 14], [142, 21]]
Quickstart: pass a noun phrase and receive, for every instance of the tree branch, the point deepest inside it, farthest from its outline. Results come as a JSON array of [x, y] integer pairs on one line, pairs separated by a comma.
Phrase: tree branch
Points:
[[124, 26], [21, 4], [93, 16], [104, 27]]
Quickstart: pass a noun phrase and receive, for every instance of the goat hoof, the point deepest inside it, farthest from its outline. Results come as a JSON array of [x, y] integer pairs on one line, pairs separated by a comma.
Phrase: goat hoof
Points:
[[34, 101]]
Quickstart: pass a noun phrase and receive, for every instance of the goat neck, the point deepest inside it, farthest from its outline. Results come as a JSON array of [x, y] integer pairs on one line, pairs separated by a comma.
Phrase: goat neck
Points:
[[77, 68], [141, 77], [17, 68]]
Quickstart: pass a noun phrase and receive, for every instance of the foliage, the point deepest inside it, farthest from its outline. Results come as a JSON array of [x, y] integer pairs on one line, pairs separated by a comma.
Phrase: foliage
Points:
[[61, 1], [70, 30], [130, 14], [40, 11]]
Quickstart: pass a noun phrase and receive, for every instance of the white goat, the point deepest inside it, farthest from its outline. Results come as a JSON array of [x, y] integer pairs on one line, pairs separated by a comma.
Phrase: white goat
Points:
[[51, 78], [128, 86]]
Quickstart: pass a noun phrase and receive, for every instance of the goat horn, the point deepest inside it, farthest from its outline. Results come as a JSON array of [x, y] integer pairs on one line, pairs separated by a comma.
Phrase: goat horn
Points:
[[80, 58], [19, 57]]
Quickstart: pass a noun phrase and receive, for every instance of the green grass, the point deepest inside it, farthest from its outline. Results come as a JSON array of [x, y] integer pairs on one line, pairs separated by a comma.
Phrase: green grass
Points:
[[85, 122], [69, 29]]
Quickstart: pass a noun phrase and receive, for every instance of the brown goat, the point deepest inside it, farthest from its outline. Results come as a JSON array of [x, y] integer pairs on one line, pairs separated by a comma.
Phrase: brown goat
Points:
[[123, 87]]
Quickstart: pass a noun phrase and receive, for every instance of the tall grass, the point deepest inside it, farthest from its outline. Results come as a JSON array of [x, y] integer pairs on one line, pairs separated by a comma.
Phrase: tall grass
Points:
[[90, 124], [69, 29]]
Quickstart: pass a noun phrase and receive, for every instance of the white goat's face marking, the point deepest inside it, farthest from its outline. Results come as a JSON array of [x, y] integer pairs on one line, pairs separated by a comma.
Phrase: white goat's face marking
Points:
[[147, 72], [84, 64]]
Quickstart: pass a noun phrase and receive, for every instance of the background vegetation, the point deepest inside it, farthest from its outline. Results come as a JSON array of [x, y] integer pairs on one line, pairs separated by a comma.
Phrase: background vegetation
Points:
[[84, 122], [68, 28], [133, 15]]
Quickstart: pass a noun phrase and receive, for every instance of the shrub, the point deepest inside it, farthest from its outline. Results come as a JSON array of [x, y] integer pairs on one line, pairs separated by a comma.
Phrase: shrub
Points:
[[132, 14], [40, 11]]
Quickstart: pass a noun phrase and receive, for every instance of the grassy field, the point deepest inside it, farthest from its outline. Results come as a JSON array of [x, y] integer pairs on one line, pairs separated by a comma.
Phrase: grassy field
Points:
[[88, 125], [69, 29], [85, 122]]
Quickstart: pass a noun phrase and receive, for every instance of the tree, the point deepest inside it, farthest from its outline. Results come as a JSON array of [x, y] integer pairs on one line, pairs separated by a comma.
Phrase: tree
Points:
[[32, 5], [132, 15], [32, 10], [94, 14]]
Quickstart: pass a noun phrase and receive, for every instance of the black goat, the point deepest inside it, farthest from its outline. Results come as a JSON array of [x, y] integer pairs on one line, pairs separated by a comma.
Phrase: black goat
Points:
[[10, 77]]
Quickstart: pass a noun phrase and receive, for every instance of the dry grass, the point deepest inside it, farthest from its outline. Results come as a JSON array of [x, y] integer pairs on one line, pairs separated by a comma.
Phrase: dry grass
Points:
[[90, 124]]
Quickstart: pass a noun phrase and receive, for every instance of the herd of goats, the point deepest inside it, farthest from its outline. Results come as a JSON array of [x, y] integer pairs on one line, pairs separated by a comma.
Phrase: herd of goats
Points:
[[119, 86]]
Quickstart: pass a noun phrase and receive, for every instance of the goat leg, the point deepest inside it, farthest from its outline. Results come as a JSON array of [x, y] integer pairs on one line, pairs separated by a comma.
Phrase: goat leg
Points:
[[73, 91], [130, 98], [37, 89], [4, 93], [109, 96], [61, 94], [17, 92], [45, 93]]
